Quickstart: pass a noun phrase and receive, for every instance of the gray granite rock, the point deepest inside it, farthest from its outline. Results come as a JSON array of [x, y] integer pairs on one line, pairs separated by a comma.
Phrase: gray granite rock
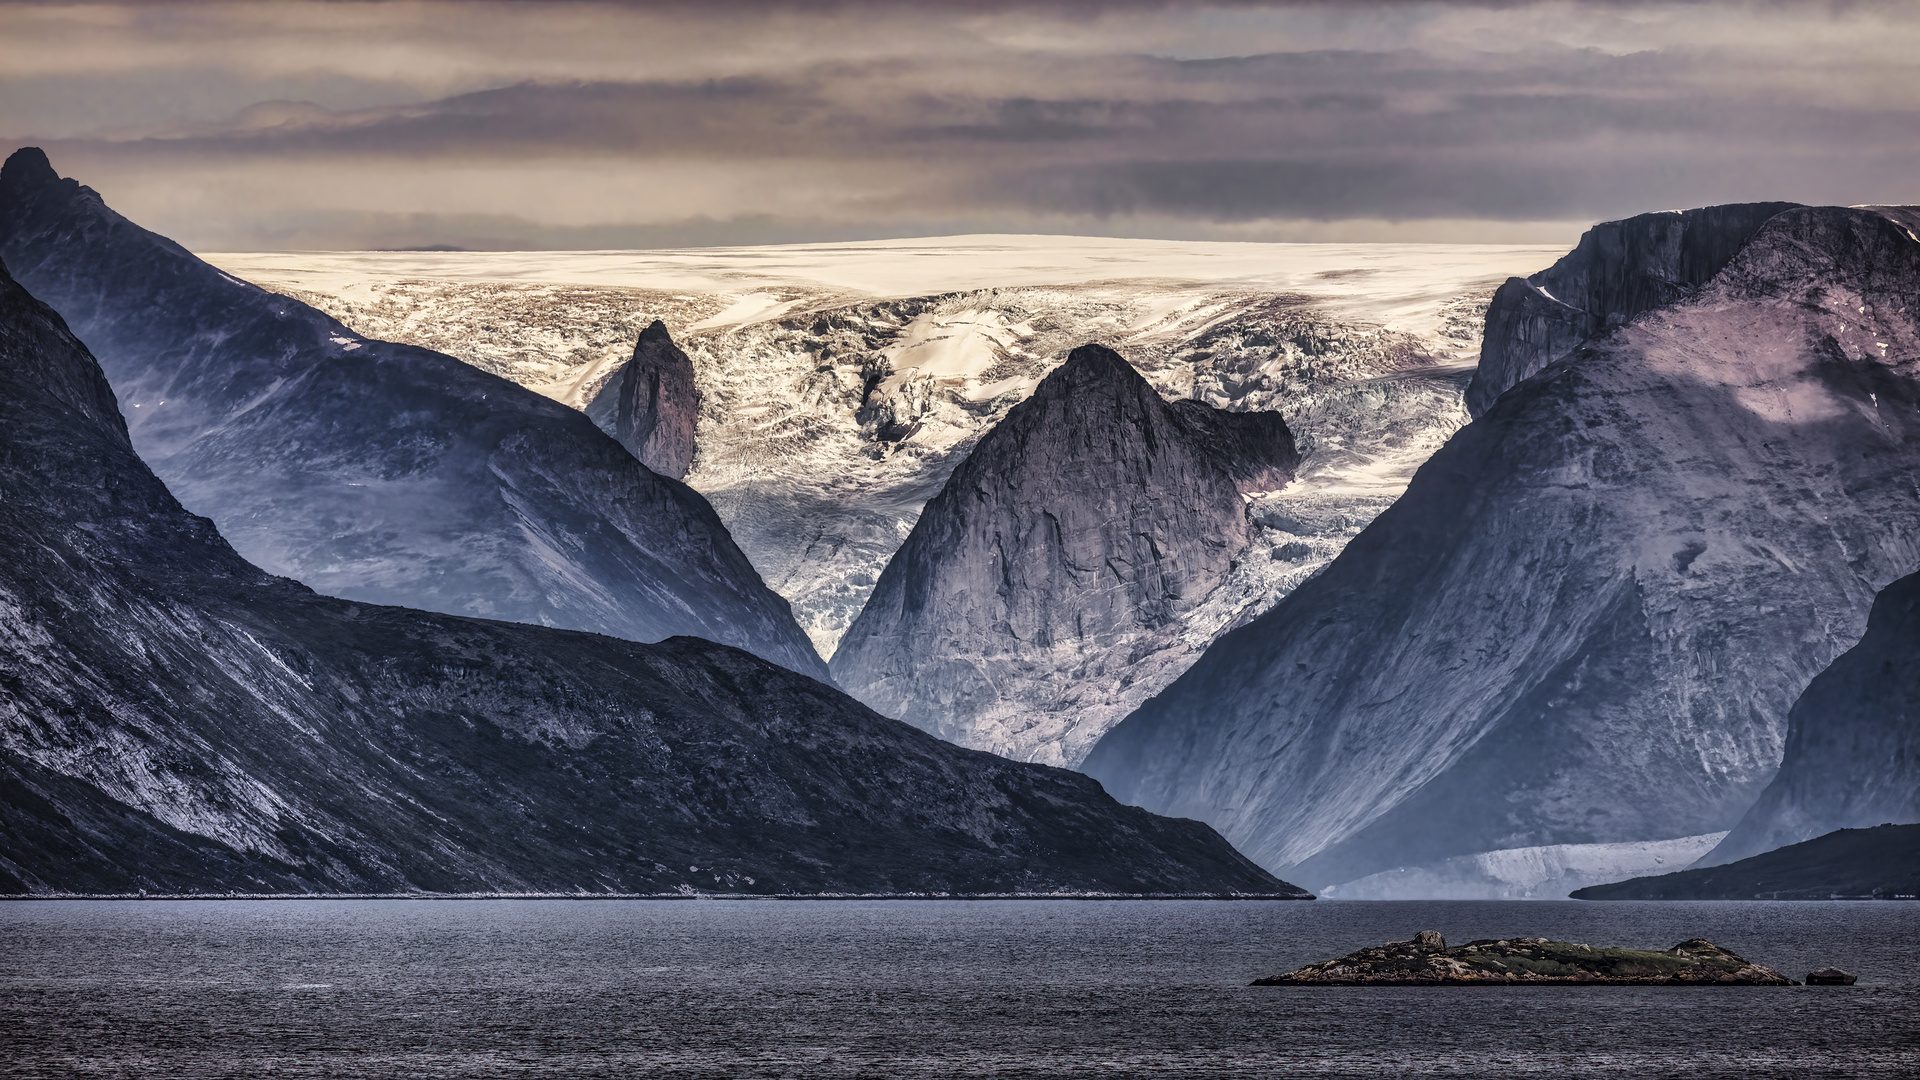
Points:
[[1852, 757], [379, 472], [1042, 593], [1587, 618], [1618, 270], [657, 404]]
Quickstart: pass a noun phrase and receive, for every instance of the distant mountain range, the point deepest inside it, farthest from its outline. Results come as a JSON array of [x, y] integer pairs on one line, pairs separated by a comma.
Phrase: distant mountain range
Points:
[[174, 720]]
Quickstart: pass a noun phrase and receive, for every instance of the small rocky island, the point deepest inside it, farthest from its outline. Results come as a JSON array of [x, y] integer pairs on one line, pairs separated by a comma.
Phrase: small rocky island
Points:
[[1426, 961]]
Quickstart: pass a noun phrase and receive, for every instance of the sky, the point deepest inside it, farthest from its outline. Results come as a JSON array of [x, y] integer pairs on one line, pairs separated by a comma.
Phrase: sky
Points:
[[553, 125]]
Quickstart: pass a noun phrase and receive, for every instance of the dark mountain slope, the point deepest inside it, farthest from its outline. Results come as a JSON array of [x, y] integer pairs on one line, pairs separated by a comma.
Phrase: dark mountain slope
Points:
[[1618, 270], [1586, 619], [1879, 863], [375, 471], [173, 719], [1043, 592], [1853, 740]]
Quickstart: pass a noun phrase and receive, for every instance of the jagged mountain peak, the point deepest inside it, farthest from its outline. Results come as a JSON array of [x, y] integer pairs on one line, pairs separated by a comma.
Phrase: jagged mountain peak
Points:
[[27, 167], [1049, 584], [658, 403]]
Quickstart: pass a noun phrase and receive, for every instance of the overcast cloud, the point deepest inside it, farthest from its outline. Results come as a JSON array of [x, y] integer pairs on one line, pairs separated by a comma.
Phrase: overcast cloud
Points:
[[347, 125]]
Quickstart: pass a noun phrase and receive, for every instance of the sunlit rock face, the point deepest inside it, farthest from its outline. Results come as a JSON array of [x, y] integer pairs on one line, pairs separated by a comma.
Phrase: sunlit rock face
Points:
[[173, 719], [841, 384], [1586, 619], [655, 403], [1619, 269], [374, 471], [1047, 589], [1853, 740]]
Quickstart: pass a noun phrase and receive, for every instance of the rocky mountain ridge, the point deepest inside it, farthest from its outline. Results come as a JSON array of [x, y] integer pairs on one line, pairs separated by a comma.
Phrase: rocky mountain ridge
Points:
[[1046, 589], [1618, 270], [379, 472], [1852, 758], [174, 720], [1586, 619]]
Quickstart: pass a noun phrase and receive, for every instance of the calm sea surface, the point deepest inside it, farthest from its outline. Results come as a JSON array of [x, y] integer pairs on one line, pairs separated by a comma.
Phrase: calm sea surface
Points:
[[698, 988]]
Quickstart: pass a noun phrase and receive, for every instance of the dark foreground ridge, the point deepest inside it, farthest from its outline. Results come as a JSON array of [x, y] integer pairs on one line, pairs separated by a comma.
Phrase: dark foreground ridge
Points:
[[1881, 863], [1426, 961], [173, 720]]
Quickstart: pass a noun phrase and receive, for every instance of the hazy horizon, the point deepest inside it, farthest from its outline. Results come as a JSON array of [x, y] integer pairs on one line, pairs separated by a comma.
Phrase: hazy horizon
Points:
[[641, 126]]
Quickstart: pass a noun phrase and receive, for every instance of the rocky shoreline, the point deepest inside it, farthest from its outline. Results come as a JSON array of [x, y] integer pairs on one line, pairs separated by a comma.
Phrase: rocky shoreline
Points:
[[1427, 961]]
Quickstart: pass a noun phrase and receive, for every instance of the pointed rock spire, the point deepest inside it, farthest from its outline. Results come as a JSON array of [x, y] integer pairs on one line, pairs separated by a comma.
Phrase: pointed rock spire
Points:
[[658, 404]]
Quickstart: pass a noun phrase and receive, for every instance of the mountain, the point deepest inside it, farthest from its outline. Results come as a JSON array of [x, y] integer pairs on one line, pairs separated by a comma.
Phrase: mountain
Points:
[[173, 719], [1587, 618], [843, 383], [372, 471], [655, 403], [1047, 589], [1618, 270], [1853, 740], [1879, 863]]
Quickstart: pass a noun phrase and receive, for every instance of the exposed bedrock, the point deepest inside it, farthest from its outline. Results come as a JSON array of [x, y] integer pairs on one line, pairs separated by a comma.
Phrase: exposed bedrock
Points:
[[1853, 740], [657, 403], [1587, 618], [373, 471], [1045, 591], [1618, 270], [173, 719]]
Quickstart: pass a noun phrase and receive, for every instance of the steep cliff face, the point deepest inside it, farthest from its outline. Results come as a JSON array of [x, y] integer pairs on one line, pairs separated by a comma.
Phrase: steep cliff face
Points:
[[1587, 618], [1045, 590], [1618, 270], [657, 404], [373, 471], [1853, 741], [173, 719]]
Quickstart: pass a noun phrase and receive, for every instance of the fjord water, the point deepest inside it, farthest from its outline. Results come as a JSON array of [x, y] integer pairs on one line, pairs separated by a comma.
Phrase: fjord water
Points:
[[720, 988]]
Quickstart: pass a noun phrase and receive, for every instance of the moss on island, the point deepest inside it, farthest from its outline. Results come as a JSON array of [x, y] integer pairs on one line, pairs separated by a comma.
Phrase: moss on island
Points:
[[1426, 961]]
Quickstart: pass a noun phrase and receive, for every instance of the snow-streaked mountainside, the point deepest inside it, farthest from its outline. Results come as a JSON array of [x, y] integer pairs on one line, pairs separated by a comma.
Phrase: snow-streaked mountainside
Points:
[[1586, 619], [173, 719], [1049, 588], [375, 471], [843, 382], [1853, 740]]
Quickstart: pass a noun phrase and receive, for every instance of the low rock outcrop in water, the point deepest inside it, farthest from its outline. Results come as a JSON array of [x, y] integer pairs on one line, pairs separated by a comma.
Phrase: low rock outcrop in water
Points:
[[1880, 863], [1426, 961], [173, 719]]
